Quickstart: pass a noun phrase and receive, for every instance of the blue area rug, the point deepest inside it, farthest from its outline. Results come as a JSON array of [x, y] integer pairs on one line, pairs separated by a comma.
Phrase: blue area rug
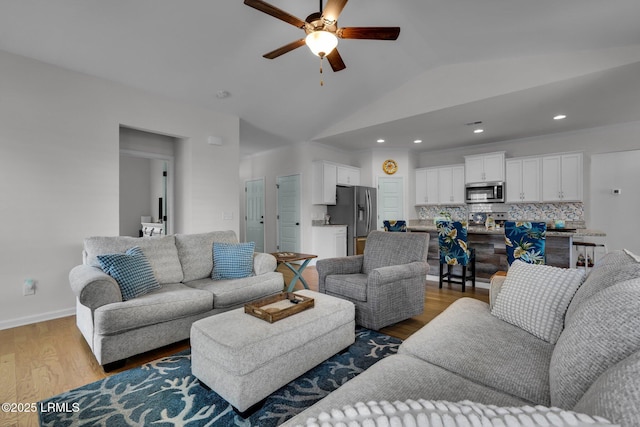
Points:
[[165, 393]]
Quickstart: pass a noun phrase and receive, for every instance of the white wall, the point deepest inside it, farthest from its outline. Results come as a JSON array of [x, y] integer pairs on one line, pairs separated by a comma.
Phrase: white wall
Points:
[[135, 185], [617, 213], [299, 159], [59, 168], [296, 159]]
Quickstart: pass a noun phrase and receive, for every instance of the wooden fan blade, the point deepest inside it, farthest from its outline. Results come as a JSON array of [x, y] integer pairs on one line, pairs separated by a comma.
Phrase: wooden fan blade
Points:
[[371, 33], [284, 49], [333, 9], [335, 60], [275, 12]]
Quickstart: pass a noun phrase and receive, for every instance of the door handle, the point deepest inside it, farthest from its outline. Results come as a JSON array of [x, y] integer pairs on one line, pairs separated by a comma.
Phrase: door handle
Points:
[[368, 196], [261, 222], [297, 223]]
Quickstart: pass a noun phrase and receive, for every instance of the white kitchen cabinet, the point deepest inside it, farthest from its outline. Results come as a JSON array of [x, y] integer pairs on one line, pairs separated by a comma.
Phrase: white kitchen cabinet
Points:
[[421, 186], [440, 185], [523, 180], [451, 185], [326, 175], [484, 167], [562, 178], [348, 175], [329, 241], [323, 191], [427, 186]]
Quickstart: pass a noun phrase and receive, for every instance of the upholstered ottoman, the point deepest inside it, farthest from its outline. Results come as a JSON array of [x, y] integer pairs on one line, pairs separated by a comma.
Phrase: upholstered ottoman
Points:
[[244, 359]]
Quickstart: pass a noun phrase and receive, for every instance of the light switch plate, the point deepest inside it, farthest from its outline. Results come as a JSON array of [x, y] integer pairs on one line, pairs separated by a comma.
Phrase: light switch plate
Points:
[[29, 287]]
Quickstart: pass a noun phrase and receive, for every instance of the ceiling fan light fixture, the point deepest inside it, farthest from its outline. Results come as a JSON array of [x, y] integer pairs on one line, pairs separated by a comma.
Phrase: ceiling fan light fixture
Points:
[[321, 42]]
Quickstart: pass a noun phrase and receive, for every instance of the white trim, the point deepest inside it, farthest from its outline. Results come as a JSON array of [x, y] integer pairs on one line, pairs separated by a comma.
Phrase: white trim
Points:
[[27, 320]]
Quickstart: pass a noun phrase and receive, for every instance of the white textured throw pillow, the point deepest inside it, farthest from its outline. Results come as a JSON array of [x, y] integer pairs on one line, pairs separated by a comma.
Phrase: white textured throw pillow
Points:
[[536, 297], [428, 413]]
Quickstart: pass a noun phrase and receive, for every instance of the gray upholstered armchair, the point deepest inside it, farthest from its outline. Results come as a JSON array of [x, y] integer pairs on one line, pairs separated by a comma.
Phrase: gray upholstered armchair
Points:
[[386, 284]]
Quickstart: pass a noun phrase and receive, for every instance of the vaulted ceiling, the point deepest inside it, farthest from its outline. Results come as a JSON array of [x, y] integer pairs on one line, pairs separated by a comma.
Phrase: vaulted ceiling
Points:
[[510, 64]]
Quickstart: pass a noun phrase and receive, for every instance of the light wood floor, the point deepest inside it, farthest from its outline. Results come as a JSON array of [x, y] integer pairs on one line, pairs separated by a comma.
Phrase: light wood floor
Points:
[[44, 359]]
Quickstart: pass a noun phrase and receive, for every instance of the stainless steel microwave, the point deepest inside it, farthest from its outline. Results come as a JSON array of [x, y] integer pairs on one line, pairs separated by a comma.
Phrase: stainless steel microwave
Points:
[[485, 192]]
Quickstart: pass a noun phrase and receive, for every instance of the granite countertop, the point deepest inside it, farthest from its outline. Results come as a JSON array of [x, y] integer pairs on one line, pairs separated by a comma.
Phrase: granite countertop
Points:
[[482, 230]]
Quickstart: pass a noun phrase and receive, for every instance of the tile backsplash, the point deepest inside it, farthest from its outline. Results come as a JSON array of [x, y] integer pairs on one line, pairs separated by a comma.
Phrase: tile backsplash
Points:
[[517, 211]]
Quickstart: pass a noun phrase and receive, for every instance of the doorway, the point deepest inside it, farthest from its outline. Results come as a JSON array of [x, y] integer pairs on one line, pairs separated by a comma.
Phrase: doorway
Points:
[[146, 194], [390, 199], [288, 218], [254, 218], [146, 182]]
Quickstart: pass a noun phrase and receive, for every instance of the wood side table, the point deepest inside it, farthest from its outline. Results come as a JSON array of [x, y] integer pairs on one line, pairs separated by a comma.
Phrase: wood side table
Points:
[[287, 258]]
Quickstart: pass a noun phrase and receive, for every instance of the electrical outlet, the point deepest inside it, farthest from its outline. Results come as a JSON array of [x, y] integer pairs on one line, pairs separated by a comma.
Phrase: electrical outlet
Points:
[[29, 287]]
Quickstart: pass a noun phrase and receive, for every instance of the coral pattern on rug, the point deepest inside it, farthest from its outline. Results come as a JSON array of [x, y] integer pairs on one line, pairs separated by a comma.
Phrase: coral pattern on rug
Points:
[[165, 393]]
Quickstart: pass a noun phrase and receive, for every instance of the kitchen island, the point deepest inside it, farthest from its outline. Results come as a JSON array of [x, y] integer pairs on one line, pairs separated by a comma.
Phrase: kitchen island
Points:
[[491, 255]]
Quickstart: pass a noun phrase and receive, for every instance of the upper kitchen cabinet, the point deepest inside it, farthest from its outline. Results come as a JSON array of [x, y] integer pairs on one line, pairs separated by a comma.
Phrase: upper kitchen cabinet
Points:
[[427, 186], [348, 175], [451, 185], [562, 178], [326, 175], [325, 178], [523, 180], [440, 186], [484, 167]]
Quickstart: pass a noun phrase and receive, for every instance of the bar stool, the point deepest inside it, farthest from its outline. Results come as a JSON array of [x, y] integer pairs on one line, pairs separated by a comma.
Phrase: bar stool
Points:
[[589, 258], [525, 241], [452, 241], [395, 225]]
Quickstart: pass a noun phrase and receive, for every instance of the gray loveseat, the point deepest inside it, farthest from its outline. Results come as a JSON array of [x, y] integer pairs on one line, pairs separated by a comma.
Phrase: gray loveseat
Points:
[[466, 353], [182, 264]]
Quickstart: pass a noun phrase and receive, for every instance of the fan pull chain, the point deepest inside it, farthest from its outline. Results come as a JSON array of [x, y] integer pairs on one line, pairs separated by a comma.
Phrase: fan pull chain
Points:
[[321, 80]]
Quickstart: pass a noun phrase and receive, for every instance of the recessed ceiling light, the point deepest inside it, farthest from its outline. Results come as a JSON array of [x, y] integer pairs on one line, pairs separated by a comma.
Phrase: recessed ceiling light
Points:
[[559, 117], [478, 131], [417, 141], [380, 141]]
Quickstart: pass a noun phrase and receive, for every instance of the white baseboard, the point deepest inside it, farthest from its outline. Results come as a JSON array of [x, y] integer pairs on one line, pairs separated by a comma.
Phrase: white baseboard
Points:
[[27, 320], [480, 283]]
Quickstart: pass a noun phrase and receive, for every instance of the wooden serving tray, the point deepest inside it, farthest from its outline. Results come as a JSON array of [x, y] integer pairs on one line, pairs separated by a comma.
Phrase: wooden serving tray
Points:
[[279, 306]]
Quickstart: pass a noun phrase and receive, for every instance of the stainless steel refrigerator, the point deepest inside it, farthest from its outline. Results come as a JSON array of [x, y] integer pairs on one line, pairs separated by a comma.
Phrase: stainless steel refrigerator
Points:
[[355, 207]]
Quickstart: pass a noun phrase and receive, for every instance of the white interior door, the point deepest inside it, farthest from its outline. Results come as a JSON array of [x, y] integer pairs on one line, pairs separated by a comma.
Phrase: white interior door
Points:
[[254, 218], [390, 199], [289, 213]]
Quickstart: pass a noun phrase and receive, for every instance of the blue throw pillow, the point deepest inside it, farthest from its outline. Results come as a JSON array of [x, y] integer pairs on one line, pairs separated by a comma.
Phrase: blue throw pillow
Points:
[[132, 271], [232, 260]]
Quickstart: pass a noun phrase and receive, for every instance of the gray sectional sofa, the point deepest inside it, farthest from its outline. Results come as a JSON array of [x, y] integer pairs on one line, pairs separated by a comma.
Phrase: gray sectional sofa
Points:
[[182, 264], [467, 353]]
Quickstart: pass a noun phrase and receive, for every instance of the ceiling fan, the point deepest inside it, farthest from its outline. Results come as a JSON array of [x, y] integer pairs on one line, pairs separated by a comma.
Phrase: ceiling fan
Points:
[[322, 31]]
